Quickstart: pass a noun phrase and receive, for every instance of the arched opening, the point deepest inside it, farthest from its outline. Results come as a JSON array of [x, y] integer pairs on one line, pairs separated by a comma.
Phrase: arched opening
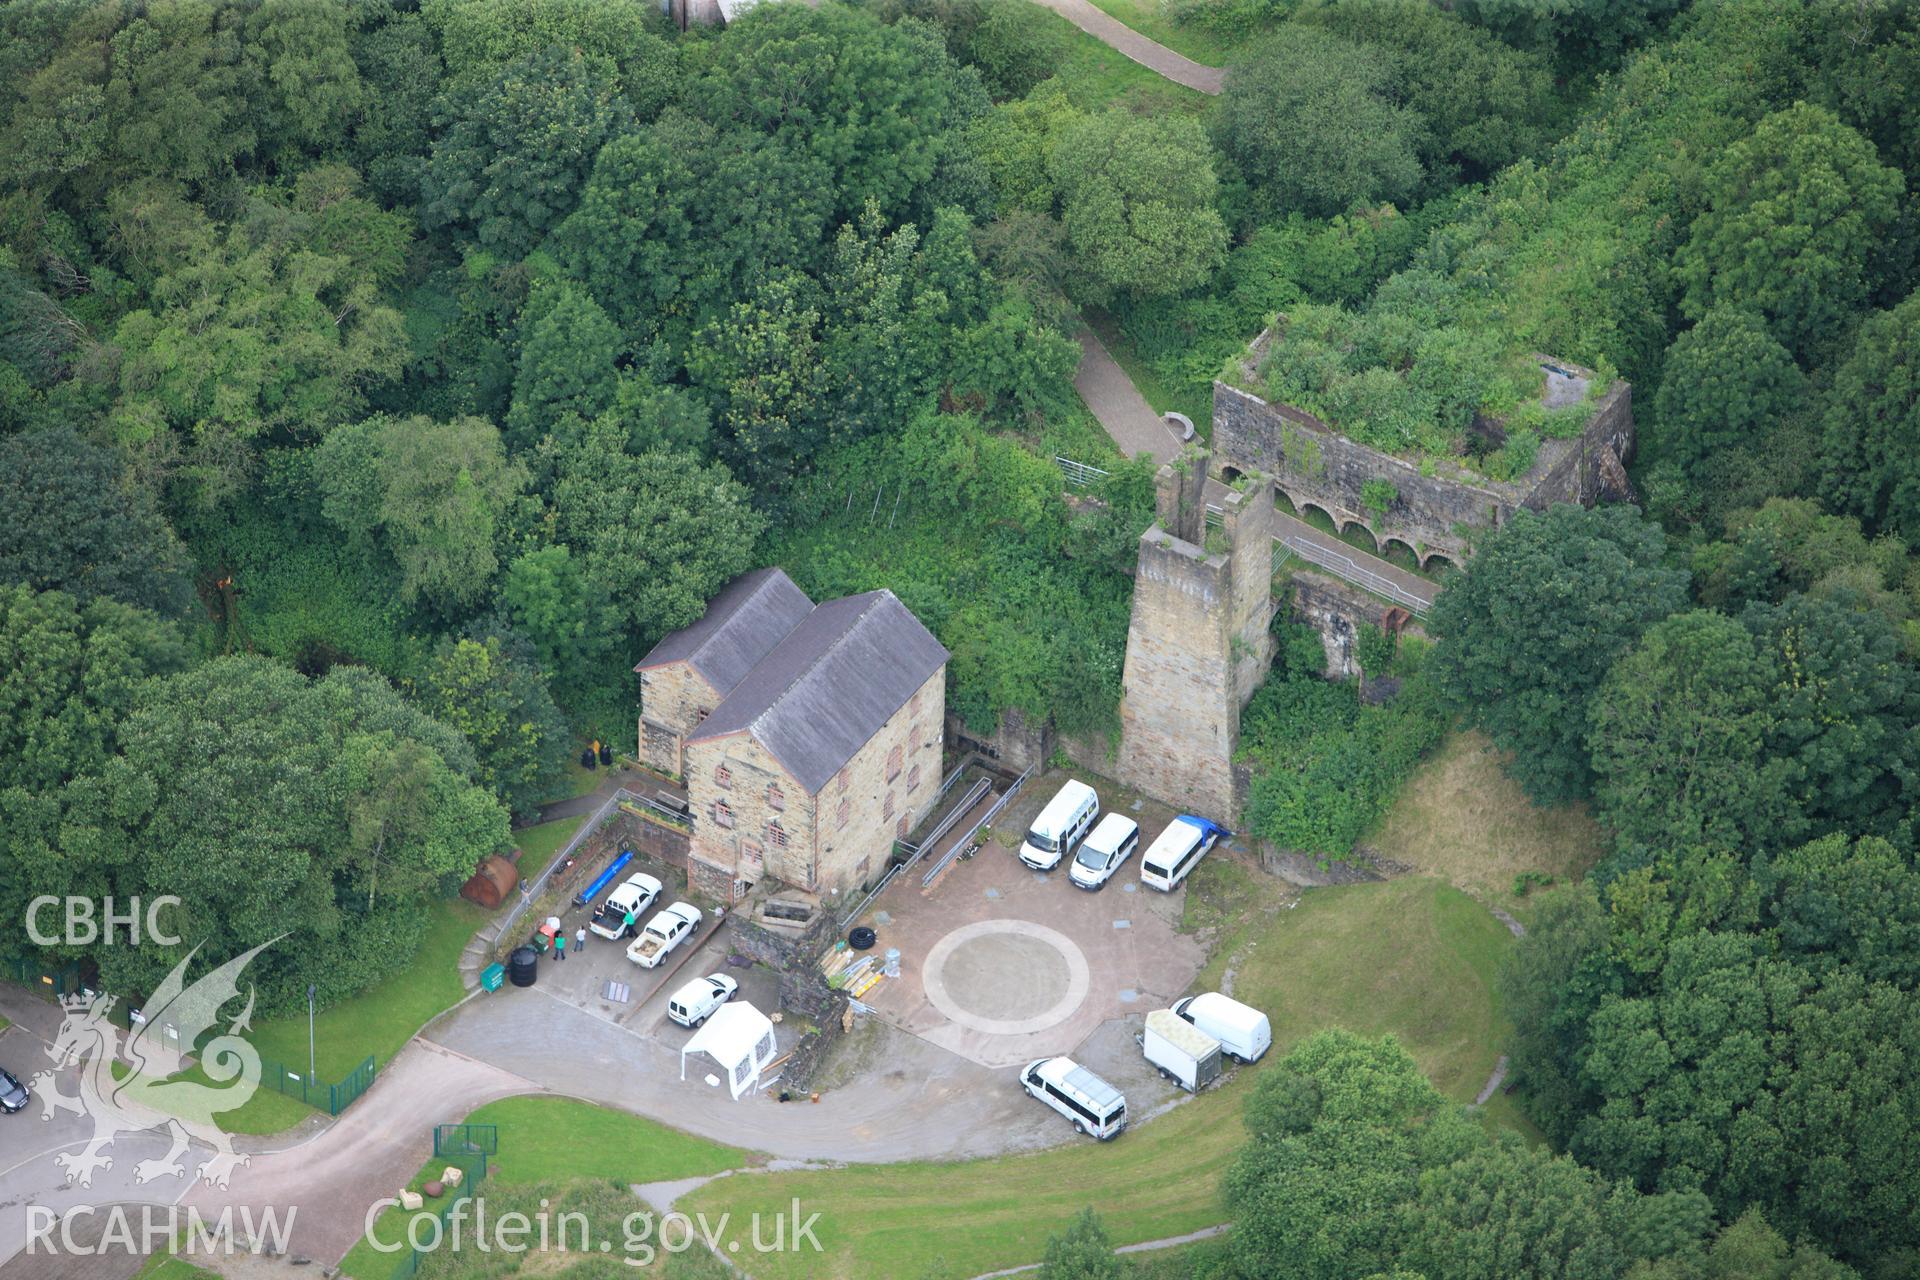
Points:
[[1397, 551], [1439, 566], [1355, 534], [1283, 503], [1230, 475], [1320, 519]]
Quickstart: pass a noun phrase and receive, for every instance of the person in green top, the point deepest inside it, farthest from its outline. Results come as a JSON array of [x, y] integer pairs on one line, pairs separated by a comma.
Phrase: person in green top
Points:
[[559, 945], [626, 925]]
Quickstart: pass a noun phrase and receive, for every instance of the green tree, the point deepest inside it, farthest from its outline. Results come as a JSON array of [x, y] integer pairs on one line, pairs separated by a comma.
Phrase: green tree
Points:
[[1136, 197], [1484, 104], [432, 495], [245, 789], [515, 151], [1518, 1212], [306, 87], [501, 706], [1680, 735], [175, 98], [1794, 213], [658, 532], [1081, 1252], [1725, 384], [1306, 117], [625, 38], [880, 105], [266, 330], [760, 367], [566, 363], [1015, 48], [73, 520], [1528, 636], [68, 674], [570, 624], [1014, 141], [1872, 421]]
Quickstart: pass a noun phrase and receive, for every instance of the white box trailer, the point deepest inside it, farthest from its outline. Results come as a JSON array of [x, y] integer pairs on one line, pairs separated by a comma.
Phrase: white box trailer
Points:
[[1184, 1053]]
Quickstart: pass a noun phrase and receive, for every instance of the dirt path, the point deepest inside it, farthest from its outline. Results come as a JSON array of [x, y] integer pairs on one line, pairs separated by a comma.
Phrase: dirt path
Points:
[[1124, 39]]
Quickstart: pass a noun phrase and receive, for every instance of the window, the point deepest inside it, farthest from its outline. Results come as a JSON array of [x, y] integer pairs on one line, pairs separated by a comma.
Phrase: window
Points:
[[751, 858], [843, 780], [888, 814], [723, 777], [913, 778], [776, 798], [896, 759], [776, 835], [722, 813], [844, 812], [900, 830], [914, 705]]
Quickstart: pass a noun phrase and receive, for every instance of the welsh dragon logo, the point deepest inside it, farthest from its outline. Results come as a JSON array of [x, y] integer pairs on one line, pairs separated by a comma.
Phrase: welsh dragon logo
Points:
[[145, 1098]]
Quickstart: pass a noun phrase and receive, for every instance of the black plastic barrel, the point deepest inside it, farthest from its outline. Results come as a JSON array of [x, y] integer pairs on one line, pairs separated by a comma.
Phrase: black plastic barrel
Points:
[[587, 760], [606, 754], [522, 965]]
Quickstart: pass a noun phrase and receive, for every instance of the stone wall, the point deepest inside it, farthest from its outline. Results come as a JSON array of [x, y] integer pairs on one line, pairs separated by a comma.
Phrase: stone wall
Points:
[[1017, 743], [1337, 611], [674, 699], [753, 820], [1198, 643], [795, 955], [1442, 513]]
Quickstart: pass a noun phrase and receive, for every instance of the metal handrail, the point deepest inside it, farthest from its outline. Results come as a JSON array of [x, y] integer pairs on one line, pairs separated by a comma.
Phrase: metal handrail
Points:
[[1346, 567], [954, 851]]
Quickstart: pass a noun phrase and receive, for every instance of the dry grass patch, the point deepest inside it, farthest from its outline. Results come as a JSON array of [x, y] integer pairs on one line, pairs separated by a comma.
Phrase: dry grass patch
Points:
[[1461, 818]]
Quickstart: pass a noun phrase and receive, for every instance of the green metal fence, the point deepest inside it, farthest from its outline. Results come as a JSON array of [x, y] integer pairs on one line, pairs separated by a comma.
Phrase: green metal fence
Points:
[[473, 1170], [44, 976], [332, 1097]]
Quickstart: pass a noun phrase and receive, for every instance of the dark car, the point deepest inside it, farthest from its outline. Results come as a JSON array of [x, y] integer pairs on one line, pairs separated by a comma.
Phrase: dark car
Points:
[[13, 1094]]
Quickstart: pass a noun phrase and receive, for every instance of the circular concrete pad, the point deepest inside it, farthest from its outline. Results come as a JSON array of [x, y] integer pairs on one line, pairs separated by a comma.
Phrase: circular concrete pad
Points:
[[1006, 977]]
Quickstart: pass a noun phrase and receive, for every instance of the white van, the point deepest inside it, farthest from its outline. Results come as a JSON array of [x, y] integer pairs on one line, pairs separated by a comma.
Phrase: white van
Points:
[[1102, 853], [1177, 851], [694, 1003], [1094, 1106], [1062, 825], [1243, 1033]]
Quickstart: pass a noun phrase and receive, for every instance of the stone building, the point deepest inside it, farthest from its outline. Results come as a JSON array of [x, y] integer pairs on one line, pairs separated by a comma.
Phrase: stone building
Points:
[[808, 735], [1199, 642], [1441, 506]]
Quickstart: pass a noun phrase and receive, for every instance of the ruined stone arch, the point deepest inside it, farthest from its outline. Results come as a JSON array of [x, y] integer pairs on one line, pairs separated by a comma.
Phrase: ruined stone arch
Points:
[[1399, 551], [1437, 561], [1325, 523], [1347, 530]]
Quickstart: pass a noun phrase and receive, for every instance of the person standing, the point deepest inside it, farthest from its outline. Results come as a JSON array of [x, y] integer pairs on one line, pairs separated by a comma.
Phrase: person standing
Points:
[[580, 939], [626, 925], [560, 945]]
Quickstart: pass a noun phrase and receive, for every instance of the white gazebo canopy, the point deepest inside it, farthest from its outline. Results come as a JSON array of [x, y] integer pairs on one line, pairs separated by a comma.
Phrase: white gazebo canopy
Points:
[[740, 1038]]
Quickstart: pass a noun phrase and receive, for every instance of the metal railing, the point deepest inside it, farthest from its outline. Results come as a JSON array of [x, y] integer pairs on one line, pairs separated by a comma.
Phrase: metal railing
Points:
[[532, 891], [946, 859], [1344, 566], [1079, 474]]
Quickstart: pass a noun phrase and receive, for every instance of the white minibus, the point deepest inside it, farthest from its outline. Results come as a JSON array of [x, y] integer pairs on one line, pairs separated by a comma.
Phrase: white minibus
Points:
[[1061, 826]]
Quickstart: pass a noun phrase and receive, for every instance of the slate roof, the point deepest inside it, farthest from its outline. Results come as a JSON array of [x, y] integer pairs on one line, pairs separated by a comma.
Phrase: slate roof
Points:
[[830, 685], [742, 624]]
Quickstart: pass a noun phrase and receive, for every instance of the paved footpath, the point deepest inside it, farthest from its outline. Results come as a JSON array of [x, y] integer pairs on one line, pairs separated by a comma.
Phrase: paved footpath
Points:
[[1124, 39], [1119, 406]]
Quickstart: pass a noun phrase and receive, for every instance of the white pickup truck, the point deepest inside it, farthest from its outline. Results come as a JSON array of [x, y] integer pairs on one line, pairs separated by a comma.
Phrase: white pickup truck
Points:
[[663, 933], [635, 894]]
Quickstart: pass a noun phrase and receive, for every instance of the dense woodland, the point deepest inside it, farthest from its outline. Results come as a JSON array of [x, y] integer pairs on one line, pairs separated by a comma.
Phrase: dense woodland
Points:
[[379, 380]]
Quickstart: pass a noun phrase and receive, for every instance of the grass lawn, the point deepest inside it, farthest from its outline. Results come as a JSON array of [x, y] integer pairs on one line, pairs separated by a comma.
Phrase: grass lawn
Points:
[[579, 779], [4, 1023], [1095, 76], [1415, 957], [1461, 818], [559, 1140], [378, 1021], [538, 845], [1149, 18]]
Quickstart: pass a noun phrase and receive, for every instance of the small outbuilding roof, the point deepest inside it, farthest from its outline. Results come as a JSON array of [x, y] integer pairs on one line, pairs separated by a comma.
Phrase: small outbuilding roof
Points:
[[830, 685], [742, 624]]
